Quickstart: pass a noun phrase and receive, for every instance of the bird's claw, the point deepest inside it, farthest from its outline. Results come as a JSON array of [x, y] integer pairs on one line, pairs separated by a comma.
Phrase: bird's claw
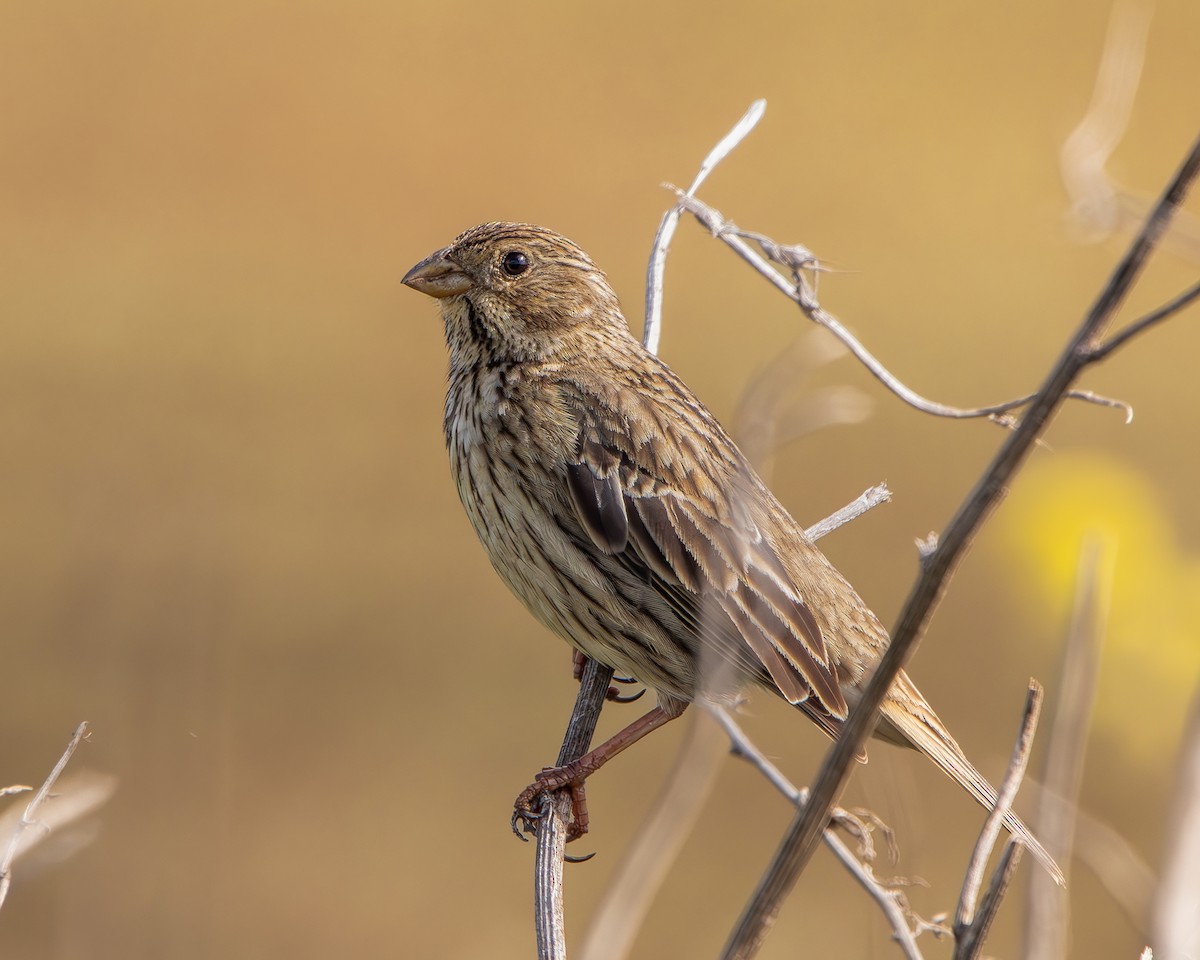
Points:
[[530, 806]]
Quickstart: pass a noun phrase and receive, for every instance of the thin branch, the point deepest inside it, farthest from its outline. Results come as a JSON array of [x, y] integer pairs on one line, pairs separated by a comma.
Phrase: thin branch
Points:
[[29, 817], [552, 828], [1176, 927], [869, 498], [803, 294], [971, 942], [670, 221], [806, 828], [964, 916], [1047, 906], [1168, 309]]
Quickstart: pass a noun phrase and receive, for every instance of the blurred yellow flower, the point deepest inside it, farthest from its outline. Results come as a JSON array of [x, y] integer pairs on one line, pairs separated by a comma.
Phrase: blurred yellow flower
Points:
[[1151, 658]]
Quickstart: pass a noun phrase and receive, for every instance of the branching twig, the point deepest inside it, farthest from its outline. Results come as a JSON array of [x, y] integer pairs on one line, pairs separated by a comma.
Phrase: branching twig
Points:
[[971, 943], [971, 929], [799, 290], [807, 827], [1142, 324], [28, 818], [670, 220]]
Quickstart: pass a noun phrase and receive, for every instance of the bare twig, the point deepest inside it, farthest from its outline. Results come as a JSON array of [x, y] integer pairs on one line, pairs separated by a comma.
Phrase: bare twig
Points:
[[670, 220], [1176, 924], [1062, 772], [871, 497], [1101, 207], [552, 828], [16, 842], [1167, 310], [1096, 207], [966, 932], [806, 828], [799, 290], [969, 945], [891, 901]]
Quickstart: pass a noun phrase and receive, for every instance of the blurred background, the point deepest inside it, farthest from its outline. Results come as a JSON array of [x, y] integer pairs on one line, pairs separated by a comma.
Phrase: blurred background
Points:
[[231, 543]]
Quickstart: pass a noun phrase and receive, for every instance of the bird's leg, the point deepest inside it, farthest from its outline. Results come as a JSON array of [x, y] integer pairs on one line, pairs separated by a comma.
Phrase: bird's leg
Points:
[[579, 660], [573, 774]]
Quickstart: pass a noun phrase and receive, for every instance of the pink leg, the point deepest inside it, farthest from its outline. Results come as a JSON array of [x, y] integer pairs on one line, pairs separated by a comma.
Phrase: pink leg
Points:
[[573, 775]]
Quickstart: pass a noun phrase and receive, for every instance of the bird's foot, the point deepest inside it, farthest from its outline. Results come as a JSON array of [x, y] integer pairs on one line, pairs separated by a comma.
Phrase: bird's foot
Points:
[[531, 804]]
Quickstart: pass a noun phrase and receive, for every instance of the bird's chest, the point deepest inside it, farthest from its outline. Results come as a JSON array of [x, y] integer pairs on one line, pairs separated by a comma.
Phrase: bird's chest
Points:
[[509, 441]]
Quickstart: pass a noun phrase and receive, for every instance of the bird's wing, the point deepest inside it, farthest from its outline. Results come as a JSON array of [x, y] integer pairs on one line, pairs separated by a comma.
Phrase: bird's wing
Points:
[[692, 528]]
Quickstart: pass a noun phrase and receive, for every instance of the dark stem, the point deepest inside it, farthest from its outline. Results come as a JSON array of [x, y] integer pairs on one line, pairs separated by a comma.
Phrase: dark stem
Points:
[[552, 828]]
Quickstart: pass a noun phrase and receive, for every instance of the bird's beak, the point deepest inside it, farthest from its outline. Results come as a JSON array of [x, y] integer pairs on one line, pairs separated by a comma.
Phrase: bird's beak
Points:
[[438, 276]]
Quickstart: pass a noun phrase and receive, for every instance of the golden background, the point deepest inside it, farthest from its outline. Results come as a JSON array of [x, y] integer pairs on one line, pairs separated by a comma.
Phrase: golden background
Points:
[[229, 536]]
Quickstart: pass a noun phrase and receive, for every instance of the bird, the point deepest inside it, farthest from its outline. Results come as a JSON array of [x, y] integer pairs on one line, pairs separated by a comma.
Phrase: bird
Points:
[[620, 512]]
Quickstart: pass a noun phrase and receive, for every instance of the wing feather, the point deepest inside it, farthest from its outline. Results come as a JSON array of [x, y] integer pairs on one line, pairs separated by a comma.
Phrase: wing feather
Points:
[[694, 537]]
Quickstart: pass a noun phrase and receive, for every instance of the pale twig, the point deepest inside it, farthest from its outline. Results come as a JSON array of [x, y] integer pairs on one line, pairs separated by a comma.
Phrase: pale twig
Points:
[[1121, 870], [670, 221], [1095, 207], [869, 498], [1047, 906], [797, 846], [1176, 918], [780, 403], [801, 292], [1099, 206], [28, 818], [969, 934]]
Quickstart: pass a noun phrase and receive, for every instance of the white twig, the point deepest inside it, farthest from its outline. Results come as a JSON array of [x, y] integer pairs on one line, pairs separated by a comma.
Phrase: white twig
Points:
[[28, 819], [670, 220], [1176, 912]]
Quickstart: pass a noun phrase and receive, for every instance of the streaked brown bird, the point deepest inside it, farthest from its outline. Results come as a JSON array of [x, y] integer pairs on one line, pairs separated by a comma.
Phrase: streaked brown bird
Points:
[[620, 512]]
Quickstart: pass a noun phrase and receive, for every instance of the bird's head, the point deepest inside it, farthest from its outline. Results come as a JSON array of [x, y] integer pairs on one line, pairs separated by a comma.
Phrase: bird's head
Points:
[[518, 292]]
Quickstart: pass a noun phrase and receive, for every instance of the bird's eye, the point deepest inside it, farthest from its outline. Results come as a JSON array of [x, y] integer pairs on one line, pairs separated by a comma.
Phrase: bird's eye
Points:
[[514, 263]]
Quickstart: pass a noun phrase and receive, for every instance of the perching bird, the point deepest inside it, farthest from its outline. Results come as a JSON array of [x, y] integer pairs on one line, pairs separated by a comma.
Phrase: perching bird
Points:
[[620, 512]]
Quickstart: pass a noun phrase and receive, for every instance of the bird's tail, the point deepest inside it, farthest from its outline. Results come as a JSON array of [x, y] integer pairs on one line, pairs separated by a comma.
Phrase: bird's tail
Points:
[[908, 720]]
